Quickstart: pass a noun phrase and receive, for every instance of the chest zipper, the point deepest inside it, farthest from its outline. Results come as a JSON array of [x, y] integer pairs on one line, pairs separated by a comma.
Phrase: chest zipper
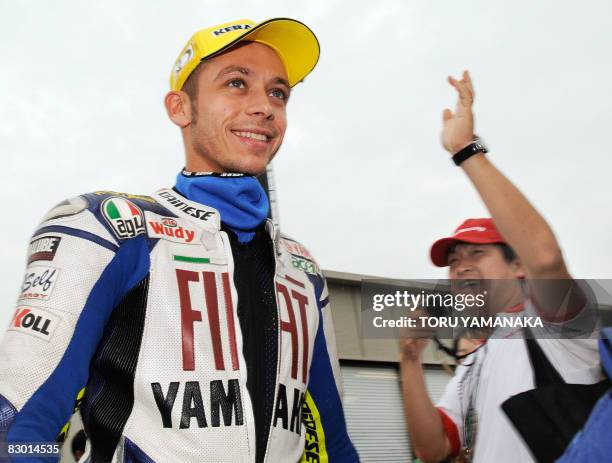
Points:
[[227, 250], [271, 229]]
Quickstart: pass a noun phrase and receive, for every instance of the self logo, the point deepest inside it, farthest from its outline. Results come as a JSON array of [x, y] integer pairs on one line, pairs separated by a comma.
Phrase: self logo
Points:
[[38, 283]]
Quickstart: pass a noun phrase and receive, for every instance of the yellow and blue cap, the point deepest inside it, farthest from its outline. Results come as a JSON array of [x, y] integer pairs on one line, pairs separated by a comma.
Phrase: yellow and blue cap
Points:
[[294, 42]]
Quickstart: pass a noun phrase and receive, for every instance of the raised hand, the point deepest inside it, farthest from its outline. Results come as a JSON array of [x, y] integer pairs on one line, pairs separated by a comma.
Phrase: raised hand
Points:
[[411, 349], [458, 126]]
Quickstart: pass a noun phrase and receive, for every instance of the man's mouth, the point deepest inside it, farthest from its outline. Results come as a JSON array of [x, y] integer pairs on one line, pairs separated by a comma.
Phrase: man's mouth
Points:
[[471, 285], [253, 135]]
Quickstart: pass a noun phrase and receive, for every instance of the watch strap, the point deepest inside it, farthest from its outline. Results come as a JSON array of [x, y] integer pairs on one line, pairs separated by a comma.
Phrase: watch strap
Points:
[[470, 150]]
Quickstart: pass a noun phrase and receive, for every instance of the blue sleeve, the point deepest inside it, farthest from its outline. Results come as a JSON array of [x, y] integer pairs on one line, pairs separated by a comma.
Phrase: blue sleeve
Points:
[[593, 442], [327, 439], [49, 408]]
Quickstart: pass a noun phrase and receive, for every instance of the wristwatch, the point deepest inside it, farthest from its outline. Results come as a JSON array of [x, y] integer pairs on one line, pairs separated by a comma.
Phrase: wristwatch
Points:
[[477, 146]]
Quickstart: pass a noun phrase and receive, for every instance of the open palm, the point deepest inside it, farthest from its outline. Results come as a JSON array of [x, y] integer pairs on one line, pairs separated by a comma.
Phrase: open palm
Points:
[[458, 126]]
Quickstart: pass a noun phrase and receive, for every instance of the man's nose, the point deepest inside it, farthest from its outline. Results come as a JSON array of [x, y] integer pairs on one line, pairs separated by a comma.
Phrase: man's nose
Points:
[[464, 268], [259, 105]]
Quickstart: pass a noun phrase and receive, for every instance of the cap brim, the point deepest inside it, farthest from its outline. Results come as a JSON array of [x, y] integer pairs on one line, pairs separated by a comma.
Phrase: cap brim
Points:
[[294, 42], [439, 250]]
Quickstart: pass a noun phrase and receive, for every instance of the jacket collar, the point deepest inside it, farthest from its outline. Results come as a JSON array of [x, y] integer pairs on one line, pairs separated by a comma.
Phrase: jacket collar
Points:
[[203, 216], [199, 214]]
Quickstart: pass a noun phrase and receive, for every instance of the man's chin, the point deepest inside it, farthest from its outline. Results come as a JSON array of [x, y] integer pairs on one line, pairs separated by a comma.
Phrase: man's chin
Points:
[[253, 169], [253, 164], [253, 172]]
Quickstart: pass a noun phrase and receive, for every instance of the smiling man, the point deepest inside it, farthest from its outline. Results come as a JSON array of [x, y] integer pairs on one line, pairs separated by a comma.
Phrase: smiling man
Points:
[[181, 324], [234, 118], [514, 257]]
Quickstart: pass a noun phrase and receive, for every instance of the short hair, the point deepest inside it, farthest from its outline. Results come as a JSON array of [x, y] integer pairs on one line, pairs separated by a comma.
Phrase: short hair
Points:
[[190, 87]]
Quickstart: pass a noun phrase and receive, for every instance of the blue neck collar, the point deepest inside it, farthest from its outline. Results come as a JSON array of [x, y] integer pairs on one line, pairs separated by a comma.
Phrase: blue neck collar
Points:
[[240, 199]]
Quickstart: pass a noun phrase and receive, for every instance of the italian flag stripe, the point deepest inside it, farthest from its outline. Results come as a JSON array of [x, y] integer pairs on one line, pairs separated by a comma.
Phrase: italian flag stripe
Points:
[[112, 211], [133, 210], [118, 208], [195, 260]]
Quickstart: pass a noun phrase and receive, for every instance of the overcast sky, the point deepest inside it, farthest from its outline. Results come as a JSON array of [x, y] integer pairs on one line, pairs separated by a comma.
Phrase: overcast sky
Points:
[[362, 179]]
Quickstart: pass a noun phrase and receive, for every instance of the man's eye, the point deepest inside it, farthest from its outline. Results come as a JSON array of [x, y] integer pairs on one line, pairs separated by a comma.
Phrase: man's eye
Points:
[[236, 83], [278, 93]]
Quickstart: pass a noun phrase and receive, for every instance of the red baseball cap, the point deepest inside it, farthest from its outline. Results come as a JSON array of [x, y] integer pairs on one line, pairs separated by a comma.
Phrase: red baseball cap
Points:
[[474, 231]]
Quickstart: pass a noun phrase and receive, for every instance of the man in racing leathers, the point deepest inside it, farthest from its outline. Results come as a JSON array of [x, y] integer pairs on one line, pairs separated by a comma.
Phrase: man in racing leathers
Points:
[[183, 325]]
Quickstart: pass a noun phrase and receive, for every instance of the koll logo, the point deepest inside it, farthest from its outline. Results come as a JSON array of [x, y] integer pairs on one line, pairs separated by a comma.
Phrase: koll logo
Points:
[[34, 321], [124, 217]]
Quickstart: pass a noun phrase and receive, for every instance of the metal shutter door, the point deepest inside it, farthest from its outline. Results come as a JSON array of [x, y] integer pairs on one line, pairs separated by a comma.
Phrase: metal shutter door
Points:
[[374, 410]]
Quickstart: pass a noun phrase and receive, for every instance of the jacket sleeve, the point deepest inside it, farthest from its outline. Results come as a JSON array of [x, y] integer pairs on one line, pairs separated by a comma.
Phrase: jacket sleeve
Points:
[[76, 274], [327, 439]]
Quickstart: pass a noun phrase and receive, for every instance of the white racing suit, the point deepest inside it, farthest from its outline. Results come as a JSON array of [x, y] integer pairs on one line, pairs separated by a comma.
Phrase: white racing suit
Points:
[[128, 312]]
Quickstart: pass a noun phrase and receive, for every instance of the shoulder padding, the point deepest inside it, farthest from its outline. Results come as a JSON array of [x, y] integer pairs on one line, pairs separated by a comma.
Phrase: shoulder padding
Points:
[[115, 215], [142, 202], [122, 214]]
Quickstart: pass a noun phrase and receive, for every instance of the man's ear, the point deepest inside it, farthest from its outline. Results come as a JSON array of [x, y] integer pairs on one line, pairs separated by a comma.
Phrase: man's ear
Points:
[[178, 108]]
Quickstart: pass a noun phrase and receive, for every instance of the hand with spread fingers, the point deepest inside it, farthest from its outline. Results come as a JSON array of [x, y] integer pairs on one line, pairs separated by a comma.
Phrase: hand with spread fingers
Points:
[[458, 126]]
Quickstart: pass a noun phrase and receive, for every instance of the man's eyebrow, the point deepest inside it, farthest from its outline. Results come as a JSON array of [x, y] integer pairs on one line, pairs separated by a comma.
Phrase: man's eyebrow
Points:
[[233, 68], [280, 80]]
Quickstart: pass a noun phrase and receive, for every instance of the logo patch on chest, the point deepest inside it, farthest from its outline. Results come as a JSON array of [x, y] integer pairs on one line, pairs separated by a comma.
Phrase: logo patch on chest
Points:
[[171, 229], [124, 217], [38, 283], [43, 248], [34, 321]]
